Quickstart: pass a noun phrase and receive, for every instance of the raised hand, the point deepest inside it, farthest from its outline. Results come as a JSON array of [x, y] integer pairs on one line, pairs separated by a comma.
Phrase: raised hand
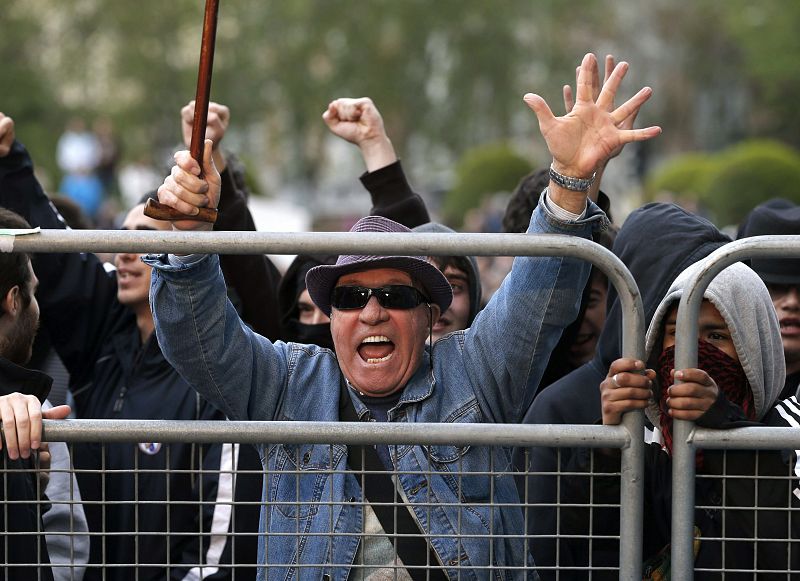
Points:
[[185, 191], [359, 122], [7, 134], [219, 117], [590, 133], [625, 388], [22, 423]]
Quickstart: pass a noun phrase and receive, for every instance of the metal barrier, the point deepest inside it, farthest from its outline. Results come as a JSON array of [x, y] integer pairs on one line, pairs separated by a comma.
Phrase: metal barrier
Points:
[[688, 438], [626, 437]]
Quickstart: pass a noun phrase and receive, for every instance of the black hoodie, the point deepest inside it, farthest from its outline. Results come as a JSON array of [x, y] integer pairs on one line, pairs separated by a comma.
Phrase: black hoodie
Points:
[[657, 242]]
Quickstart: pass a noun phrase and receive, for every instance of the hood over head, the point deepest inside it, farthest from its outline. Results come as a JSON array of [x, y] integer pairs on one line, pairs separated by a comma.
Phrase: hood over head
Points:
[[292, 284], [473, 273], [744, 303], [657, 242]]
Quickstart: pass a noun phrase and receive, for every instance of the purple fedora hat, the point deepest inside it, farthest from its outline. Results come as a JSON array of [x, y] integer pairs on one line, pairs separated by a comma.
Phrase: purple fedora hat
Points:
[[320, 280]]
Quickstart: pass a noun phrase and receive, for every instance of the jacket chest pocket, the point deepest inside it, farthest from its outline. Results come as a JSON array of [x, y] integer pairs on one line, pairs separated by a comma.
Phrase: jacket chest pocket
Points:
[[464, 468], [299, 477]]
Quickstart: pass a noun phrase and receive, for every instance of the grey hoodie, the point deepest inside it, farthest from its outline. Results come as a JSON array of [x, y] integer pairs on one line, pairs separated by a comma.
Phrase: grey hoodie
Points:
[[744, 303]]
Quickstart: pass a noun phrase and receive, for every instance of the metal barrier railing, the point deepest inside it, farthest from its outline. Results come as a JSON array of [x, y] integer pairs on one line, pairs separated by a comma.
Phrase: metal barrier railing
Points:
[[688, 438], [627, 437]]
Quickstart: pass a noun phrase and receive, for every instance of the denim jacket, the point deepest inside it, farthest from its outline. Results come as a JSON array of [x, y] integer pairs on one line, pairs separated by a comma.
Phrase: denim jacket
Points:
[[313, 515]]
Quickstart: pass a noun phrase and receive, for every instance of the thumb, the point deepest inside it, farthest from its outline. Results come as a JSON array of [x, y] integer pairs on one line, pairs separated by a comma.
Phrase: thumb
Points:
[[57, 413], [209, 169], [540, 107]]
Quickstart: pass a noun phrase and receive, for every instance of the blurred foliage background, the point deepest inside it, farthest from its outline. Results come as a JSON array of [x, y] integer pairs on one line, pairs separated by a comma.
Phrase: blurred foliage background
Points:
[[448, 77]]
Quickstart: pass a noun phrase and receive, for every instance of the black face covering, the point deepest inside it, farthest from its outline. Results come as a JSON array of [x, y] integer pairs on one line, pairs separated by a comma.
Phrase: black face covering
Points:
[[320, 334]]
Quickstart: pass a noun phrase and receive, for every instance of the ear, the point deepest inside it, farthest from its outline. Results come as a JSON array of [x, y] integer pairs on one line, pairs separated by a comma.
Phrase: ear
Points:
[[435, 312], [11, 301]]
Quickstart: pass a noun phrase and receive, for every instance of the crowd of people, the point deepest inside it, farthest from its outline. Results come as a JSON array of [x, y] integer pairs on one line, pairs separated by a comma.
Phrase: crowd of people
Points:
[[390, 339]]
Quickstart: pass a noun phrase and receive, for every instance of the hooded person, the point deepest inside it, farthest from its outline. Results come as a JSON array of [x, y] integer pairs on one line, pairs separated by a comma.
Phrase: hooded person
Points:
[[460, 271], [782, 277], [739, 375], [575, 398], [299, 321]]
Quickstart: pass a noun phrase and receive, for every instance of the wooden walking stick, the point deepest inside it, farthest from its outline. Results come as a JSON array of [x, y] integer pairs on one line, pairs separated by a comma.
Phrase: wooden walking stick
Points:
[[160, 211]]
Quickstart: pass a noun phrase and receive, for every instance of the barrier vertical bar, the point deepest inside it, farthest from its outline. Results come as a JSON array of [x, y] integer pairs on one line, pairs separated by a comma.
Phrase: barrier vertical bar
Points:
[[683, 448]]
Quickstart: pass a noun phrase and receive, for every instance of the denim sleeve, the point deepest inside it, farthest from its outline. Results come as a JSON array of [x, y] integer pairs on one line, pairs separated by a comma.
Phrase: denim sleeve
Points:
[[509, 344], [203, 338]]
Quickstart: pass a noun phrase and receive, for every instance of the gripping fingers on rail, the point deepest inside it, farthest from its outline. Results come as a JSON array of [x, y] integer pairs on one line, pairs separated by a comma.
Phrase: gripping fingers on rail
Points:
[[159, 211]]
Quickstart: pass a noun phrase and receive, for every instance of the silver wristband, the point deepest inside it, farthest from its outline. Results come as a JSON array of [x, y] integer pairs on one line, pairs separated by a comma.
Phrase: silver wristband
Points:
[[570, 183]]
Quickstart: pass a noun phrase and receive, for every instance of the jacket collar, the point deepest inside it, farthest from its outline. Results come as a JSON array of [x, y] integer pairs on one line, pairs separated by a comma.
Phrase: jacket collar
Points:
[[28, 381]]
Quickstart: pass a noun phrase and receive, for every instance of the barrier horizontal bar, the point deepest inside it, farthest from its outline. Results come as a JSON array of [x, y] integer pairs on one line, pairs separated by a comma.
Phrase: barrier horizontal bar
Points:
[[751, 438], [179, 431]]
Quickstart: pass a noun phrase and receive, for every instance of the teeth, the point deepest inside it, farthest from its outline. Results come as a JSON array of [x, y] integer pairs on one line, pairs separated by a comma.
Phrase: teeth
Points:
[[375, 339], [381, 359]]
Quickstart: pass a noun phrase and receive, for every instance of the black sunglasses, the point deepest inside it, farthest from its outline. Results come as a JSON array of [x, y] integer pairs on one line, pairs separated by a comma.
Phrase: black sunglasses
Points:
[[393, 296]]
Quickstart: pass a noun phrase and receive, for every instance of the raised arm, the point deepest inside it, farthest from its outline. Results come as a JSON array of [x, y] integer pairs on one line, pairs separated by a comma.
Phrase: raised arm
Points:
[[76, 295], [252, 279], [359, 122], [506, 359]]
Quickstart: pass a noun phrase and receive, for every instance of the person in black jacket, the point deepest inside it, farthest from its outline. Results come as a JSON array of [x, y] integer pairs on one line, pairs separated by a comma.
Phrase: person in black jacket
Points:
[[575, 398], [782, 277], [740, 495], [22, 392], [101, 326]]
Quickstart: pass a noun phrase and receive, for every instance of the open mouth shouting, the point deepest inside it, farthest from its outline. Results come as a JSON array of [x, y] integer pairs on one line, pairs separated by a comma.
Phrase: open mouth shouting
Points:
[[376, 349]]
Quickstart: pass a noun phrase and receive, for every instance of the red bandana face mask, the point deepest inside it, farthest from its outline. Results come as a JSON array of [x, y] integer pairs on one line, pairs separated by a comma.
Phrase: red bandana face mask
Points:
[[726, 372]]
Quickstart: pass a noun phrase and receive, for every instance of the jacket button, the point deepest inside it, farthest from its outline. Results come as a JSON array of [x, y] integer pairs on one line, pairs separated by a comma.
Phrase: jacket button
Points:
[[418, 487], [351, 499], [306, 457], [326, 577]]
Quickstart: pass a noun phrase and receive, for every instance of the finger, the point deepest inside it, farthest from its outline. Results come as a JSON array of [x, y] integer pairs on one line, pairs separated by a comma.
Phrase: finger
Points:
[[631, 106], [625, 364], [569, 100], [58, 412], [595, 81], [6, 135], [35, 423], [689, 403], [349, 110], [9, 428], [584, 83], [168, 197], [630, 135], [694, 375], [194, 187], [610, 64], [542, 110], [210, 172], [186, 162], [629, 121], [187, 112], [222, 111], [21, 425], [627, 393], [609, 92]]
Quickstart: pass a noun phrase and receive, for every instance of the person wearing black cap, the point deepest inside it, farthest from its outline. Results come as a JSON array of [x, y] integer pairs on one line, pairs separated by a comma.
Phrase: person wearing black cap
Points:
[[782, 277], [381, 309]]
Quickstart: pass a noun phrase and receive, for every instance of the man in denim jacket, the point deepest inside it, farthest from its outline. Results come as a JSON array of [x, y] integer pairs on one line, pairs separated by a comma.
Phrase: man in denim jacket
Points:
[[381, 310]]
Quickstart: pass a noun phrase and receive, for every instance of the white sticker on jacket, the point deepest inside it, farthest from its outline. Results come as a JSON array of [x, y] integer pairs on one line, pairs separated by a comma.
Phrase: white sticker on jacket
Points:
[[150, 448]]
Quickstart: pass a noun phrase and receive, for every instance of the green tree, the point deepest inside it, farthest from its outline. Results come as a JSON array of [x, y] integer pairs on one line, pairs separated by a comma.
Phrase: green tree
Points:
[[483, 171], [749, 174]]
